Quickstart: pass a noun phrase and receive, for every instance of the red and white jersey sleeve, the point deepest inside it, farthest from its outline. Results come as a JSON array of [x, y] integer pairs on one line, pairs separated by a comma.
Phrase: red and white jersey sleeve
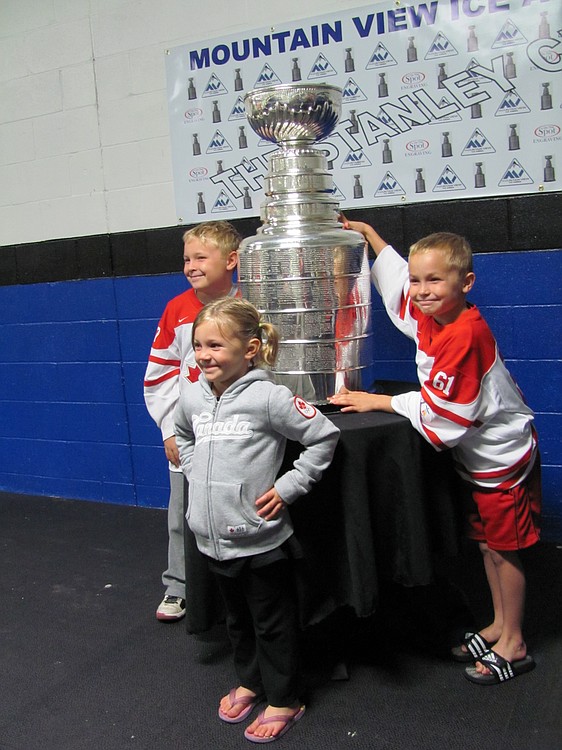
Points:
[[390, 276], [468, 400], [171, 358]]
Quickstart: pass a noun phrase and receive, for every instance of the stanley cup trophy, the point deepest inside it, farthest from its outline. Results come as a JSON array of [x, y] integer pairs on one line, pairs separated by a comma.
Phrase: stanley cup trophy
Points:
[[304, 272]]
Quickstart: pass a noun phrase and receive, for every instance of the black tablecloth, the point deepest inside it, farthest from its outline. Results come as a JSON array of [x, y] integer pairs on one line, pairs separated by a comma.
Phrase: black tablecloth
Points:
[[385, 509]]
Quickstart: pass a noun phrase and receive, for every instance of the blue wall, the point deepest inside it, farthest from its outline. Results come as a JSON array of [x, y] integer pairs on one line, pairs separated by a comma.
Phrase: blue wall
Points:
[[73, 354]]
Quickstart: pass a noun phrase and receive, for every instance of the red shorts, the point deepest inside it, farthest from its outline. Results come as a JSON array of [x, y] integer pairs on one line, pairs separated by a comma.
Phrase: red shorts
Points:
[[508, 519]]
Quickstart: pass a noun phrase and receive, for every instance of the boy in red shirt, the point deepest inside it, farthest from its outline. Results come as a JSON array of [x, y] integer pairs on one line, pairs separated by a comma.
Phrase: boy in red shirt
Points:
[[210, 257], [469, 403]]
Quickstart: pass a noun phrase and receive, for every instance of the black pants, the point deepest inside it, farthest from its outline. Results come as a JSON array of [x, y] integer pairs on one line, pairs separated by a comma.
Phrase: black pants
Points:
[[262, 627]]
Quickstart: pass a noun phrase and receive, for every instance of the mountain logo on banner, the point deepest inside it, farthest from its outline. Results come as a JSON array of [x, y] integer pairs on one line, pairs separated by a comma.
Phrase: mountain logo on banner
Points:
[[214, 87], [387, 120], [356, 159], [238, 112], [389, 186], [470, 70], [223, 204], [352, 92], [381, 58], [515, 174], [512, 104], [509, 36], [337, 193], [440, 47], [453, 117], [267, 76], [251, 166], [478, 144], [218, 143], [448, 181], [322, 68]]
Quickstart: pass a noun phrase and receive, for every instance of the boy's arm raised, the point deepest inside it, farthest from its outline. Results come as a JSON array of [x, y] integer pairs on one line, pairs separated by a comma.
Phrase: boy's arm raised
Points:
[[372, 237]]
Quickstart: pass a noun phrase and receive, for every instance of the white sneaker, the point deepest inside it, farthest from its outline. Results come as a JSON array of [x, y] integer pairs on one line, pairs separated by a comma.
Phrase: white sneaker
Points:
[[171, 608]]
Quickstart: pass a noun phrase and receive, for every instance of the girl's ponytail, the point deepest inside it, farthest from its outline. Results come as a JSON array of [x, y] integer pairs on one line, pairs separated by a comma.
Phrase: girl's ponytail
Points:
[[269, 338]]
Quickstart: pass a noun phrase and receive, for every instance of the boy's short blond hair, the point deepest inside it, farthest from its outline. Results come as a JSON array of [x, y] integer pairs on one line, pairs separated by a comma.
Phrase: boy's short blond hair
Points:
[[455, 248], [219, 233]]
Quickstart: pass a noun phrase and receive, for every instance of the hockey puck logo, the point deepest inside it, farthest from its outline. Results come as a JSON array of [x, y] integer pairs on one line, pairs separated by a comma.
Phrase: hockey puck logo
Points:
[[304, 408]]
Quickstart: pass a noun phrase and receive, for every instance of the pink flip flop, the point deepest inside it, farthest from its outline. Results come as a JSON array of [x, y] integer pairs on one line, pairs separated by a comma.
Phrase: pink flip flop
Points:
[[244, 700], [289, 721]]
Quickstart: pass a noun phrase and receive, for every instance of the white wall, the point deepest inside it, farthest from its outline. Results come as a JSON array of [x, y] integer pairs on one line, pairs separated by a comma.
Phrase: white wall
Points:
[[84, 137]]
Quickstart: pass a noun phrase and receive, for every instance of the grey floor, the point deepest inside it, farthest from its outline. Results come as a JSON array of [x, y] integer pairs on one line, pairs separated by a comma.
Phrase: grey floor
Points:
[[84, 663]]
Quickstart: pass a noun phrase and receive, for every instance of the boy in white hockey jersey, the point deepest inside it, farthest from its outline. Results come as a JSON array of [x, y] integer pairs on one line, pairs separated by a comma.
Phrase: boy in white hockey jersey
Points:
[[469, 403], [209, 258]]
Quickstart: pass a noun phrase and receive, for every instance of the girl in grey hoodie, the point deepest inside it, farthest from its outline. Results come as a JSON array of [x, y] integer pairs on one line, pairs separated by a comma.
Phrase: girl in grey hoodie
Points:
[[231, 429]]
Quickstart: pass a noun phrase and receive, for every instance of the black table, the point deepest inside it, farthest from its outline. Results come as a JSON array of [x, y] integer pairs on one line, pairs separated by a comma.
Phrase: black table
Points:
[[386, 509]]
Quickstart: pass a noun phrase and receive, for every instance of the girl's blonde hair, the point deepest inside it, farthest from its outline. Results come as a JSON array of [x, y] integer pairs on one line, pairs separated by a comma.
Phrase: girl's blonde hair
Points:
[[456, 249], [239, 318]]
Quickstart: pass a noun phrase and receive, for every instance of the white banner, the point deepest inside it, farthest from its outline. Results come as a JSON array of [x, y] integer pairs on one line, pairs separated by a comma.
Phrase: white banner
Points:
[[442, 99]]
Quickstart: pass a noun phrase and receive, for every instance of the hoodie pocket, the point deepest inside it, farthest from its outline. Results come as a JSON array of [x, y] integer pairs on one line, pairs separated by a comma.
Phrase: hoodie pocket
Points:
[[220, 510], [197, 515]]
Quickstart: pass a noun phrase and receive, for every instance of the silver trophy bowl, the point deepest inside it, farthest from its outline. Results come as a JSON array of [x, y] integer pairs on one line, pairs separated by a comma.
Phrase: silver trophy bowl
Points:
[[284, 113], [304, 272]]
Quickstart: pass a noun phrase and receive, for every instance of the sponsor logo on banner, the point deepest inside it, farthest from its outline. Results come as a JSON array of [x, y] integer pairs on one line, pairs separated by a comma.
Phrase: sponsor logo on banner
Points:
[[223, 204], [512, 104], [419, 147], [448, 181], [515, 174], [509, 36], [267, 77], [413, 80], [338, 193], [238, 112], [322, 68], [355, 160], [352, 92], [546, 134], [214, 87], [197, 174], [218, 143], [389, 186], [450, 117], [478, 144], [472, 70], [440, 47], [381, 58], [193, 115]]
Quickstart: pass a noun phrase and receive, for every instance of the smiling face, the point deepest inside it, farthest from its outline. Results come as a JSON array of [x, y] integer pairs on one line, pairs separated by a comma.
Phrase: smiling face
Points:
[[206, 268], [222, 357], [436, 288]]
